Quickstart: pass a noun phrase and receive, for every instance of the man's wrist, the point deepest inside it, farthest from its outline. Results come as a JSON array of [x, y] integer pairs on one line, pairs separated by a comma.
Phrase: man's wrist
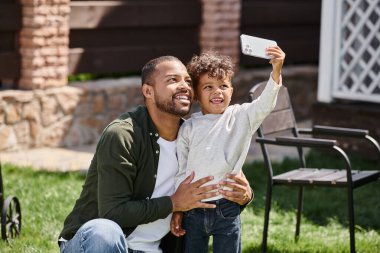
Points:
[[174, 206]]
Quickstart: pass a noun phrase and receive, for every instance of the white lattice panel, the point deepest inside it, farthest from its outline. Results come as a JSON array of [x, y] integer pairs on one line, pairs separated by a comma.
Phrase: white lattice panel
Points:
[[355, 50]]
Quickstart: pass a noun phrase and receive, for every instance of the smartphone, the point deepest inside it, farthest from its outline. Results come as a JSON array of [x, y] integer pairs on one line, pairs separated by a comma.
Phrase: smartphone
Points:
[[255, 46]]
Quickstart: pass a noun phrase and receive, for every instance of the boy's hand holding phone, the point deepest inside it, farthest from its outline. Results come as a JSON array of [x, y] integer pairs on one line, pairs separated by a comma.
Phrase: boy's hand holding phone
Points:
[[266, 49], [277, 60]]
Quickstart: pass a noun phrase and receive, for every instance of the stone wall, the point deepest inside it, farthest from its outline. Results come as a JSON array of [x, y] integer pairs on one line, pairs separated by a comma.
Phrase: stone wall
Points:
[[65, 116], [101, 102], [44, 43], [36, 118]]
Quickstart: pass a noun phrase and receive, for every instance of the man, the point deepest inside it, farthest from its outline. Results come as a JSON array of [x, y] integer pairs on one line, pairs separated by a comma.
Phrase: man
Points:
[[129, 195]]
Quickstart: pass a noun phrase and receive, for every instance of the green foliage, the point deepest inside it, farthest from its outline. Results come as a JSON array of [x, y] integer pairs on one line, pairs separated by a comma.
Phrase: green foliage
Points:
[[96, 76], [47, 197]]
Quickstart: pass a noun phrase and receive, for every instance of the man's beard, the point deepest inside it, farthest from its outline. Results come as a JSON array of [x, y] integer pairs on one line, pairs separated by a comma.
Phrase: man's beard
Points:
[[170, 107]]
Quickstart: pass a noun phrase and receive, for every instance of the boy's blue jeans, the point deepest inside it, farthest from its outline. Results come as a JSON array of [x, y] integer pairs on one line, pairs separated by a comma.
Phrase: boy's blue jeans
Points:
[[97, 236], [223, 223]]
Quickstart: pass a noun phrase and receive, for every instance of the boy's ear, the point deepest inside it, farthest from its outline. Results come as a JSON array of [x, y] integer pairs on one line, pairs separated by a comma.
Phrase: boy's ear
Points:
[[147, 90]]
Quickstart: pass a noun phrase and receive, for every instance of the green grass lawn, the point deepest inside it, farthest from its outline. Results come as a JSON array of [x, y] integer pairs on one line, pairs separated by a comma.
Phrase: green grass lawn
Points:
[[46, 198]]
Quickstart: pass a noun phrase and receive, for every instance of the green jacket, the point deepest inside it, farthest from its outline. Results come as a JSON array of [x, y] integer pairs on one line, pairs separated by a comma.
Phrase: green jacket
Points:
[[121, 177]]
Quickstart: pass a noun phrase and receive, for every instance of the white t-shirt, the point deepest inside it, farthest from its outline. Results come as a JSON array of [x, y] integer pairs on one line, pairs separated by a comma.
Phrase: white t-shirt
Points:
[[147, 237]]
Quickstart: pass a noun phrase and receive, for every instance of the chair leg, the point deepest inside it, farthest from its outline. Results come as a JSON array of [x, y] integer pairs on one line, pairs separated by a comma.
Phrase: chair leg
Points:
[[266, 218], [299, 212], [351, 219]]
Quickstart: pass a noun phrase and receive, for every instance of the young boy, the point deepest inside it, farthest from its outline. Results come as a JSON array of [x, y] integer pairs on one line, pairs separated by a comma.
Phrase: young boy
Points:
[[215, 142]]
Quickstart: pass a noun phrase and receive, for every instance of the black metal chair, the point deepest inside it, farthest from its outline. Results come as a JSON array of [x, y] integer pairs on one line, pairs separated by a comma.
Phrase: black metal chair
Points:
[[10, 214], [282, 120]]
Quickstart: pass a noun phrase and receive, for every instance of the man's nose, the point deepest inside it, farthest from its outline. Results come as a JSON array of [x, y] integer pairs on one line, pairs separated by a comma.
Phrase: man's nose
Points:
[[185, 84]]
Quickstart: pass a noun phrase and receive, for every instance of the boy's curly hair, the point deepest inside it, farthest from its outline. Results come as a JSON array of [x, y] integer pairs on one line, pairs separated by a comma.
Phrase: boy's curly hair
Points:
[[216, 65]]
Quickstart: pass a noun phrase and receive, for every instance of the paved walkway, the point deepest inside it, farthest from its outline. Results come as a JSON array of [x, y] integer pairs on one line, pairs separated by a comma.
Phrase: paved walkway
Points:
[[52, 159], [79, 158]]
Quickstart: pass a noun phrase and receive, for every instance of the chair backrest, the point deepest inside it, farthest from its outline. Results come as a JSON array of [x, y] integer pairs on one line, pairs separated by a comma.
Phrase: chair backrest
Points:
[[281, 119]]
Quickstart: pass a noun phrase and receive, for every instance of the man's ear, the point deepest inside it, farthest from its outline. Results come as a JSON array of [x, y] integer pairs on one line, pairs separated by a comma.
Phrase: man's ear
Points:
[[147, 90]]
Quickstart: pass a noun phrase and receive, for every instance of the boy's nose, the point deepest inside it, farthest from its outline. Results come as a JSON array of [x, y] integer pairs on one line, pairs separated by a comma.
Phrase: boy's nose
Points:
[[217, 91]]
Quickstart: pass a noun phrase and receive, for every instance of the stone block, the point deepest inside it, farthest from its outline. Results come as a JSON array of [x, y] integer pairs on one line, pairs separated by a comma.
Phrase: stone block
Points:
[[30, 52], [8, 139], [53, 135], [117, 102], [44, 2], [83, 108], [68, 99], [17, 96], [35, 129], [31, 111], [22, 132], [80, 134], [32, 42], [34, 22], [13, 113], [41, 32], [29, 83], [55, 20], [46, 51], [63, 30], [33, 63], [98, 104], [64, 9], [49, 110]]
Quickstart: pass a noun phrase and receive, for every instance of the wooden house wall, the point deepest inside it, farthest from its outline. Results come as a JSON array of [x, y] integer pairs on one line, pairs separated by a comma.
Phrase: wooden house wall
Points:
[[120, 36], [10, 25]]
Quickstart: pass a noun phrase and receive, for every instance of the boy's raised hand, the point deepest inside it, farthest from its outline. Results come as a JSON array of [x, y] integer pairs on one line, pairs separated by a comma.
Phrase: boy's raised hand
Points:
[[277, 60]]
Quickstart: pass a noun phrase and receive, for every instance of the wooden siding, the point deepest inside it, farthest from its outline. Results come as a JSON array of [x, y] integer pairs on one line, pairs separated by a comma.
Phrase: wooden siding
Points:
[[10, 25], [120, 36], [294, 24]]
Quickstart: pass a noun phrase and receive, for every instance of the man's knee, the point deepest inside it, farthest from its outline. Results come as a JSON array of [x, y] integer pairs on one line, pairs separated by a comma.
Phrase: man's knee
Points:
[[103, 234]]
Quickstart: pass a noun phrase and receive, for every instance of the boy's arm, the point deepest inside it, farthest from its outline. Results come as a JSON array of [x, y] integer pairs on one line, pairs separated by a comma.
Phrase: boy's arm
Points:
[[263, 105], [258, 109]]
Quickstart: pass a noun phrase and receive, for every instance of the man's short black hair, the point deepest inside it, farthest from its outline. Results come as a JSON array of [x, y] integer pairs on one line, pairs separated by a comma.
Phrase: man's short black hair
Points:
[[149, 68]]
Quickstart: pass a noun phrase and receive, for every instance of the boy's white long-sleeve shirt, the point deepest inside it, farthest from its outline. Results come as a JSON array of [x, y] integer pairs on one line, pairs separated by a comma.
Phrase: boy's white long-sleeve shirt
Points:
[[217, 144]]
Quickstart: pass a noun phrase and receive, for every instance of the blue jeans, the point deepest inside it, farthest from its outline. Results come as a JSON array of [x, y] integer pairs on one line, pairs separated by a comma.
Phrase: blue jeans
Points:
[[223, 223], [97, 236]]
